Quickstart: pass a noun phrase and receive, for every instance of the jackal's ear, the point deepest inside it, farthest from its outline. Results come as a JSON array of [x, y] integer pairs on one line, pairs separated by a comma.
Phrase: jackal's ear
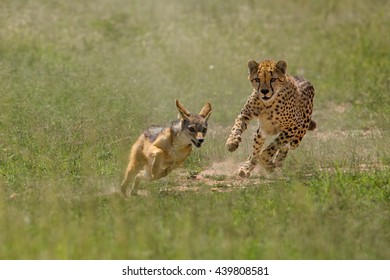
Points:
[[183, 111], [206, 111]]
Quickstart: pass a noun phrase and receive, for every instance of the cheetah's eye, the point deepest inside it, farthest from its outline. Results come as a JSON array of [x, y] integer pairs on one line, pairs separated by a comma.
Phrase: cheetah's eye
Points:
[[191, 129], [273, 80], [257, 80]]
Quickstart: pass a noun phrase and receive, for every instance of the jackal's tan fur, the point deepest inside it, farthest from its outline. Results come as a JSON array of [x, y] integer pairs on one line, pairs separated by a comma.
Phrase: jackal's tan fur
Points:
[[159, 150]]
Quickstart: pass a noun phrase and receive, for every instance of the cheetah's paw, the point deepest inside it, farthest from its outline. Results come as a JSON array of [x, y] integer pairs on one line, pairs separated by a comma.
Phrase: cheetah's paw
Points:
[[232, 144], [243, 173]]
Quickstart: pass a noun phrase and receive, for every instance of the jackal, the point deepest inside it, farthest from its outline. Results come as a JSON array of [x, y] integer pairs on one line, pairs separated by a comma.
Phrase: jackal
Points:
[[159, 150]]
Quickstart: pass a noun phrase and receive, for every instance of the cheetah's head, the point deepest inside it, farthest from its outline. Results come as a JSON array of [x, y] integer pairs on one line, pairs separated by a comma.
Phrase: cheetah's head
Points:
[[267, 77]]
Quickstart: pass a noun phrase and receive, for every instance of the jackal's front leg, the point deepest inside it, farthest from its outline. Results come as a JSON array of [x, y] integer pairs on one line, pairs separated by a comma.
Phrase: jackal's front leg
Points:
[[156, 158]]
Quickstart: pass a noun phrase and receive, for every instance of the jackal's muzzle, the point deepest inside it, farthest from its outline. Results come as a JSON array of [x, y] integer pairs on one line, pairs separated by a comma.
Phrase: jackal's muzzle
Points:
[[198, 142]]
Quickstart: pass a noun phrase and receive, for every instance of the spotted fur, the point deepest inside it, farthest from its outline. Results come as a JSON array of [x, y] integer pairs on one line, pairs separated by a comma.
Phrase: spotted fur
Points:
[[283, 105]]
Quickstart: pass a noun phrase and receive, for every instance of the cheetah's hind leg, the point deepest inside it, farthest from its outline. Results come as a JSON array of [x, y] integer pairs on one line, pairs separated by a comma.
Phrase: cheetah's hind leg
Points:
[[247, 167], [281, 155]]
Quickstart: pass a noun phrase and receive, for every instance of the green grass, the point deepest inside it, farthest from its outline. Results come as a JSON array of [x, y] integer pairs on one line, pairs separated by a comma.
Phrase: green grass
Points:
[[79, 80]]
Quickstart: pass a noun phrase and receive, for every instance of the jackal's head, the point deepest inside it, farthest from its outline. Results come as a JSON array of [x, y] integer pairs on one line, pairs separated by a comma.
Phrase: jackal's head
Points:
[[194, 126]]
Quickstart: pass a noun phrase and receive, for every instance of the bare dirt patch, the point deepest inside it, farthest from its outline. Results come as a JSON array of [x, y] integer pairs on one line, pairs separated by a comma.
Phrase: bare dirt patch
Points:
[[218, 177], [222, 176]]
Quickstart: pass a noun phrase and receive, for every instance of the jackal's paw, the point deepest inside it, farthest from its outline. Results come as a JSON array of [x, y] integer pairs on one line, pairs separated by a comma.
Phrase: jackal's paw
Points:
[[166, 171], [134, 193], [161, 174], [243, 173], [232, 144], [123, 190]]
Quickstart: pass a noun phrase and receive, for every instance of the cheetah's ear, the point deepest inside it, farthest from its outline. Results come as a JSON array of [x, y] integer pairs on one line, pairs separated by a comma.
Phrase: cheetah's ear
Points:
[[252, 67], [183, 111], [282, 66]]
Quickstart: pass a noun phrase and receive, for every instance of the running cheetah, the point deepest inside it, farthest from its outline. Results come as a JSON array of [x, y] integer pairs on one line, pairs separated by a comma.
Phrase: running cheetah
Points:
[[283, 105]]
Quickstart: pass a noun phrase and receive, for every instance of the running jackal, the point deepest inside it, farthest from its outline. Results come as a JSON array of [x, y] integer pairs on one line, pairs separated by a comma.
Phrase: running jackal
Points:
[[159, 150]]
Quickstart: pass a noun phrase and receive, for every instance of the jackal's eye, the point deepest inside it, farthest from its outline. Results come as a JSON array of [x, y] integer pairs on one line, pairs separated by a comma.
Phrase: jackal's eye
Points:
[[204, 130], [273, 80], [191, 129]]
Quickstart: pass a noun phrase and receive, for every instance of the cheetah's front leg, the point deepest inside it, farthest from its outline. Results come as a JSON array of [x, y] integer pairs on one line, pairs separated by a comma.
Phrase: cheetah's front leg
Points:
[[234, 138], [240, 125], [247, 167]]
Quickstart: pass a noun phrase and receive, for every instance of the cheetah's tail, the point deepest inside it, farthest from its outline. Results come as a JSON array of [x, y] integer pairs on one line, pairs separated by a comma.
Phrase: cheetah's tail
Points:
[[312, 125]]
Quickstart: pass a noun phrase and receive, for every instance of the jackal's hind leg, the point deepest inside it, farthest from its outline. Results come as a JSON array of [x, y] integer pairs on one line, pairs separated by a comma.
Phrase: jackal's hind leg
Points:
[[142, 175], [130, 178]]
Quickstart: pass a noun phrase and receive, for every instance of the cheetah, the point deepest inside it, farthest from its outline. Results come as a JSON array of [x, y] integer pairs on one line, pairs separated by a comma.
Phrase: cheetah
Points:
[[283, 106]]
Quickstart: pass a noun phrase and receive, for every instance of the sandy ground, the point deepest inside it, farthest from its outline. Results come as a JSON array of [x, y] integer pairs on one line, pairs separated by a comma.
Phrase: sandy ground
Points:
[[222, 177]]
